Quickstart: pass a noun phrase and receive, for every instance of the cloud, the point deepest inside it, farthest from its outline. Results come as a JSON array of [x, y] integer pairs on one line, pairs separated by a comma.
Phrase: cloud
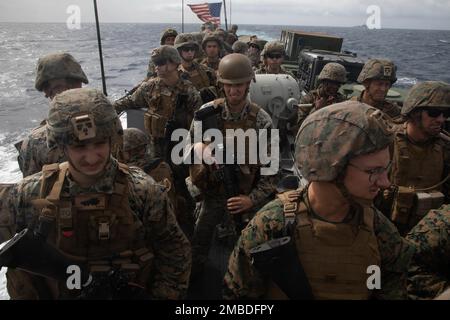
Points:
[[394, 13]]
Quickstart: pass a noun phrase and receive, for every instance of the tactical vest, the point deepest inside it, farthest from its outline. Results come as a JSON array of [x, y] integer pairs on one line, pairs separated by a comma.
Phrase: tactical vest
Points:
[[98, 229], [197, 76], [414, 167], [335, 256], [391, 109], [248, 172], [212, 65], [161, 107]]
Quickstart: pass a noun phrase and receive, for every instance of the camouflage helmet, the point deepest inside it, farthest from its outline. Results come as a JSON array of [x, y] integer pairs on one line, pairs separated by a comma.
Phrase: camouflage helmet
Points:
[[134, 138], [273, 47], [165, 53], [428, 94], [58, 66], [221, 34], [185, 39], [168, 33], [211, 37], [81, 114], [334, 72], [377, 69], [235, 68], [331, 136], [240, 47], [255, 42]]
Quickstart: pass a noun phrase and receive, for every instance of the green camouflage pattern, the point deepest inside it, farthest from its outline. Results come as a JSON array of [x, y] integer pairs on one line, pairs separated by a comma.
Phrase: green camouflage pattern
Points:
[[378, 69], [333, 135], [167, 33], [75, 102], [429, 271], [273, 47], [310, 98], [134, 138], [333, 71], [235, 68], [166, 52], [389, 108], [240, 47], [149, 202], [211, 37], [243, 281], [34, 152], [185, 39], [428, 94], [58, 66]]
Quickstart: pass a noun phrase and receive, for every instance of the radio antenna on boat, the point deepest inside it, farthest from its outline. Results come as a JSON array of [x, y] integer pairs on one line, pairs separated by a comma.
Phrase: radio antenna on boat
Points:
[[100, 48], [182, 16]]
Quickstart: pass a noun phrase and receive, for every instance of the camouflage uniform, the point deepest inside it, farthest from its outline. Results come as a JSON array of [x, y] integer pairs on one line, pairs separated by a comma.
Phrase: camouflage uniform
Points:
[[376, 69], [33, 150], [151, 72], [263, 70], [255, 57], [418, 166], [272, 47], [131, 201], [213, 64], [202, 77], [332, 72], [214, 217], [429, 271], [324, 145]]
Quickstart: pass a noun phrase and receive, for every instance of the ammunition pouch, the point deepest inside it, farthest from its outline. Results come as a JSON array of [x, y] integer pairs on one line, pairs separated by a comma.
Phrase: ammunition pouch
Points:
[[155, 124], [410, 206]]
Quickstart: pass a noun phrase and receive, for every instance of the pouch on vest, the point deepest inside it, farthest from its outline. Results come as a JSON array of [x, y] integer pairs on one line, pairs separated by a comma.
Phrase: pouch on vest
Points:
[[427, 201], [155, 124], [402, 205]]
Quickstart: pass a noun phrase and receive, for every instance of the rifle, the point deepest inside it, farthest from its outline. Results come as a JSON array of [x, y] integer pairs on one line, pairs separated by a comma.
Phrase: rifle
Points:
[[226, 173], [278, 259], [172, 124], [29, 251]]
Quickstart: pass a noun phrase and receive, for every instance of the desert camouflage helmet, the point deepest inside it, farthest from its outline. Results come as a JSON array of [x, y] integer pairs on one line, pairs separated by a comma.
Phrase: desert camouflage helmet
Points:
[[165, 53], [255, 42], [333, 71], [185, 39], [273, 47], [211, 37], [331, 136], [240, 47], [168, 33], [377, 69], [235, 68], [77, 115], [134, 138], [428, 94], [58, 66]]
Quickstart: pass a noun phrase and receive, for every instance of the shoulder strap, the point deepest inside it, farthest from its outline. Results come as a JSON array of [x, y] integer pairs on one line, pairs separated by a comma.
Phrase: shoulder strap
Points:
[[292, 206], [253, 112]]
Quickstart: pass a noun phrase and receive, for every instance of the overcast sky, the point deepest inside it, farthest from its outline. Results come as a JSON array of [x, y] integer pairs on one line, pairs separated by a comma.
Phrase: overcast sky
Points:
[[412, 14]]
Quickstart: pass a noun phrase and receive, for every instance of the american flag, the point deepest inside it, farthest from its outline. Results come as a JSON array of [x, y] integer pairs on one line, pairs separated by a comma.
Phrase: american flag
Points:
[[207, 11]]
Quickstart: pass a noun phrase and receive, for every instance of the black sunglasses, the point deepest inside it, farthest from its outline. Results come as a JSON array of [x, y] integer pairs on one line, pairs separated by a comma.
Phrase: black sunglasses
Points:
[[274, 56], [254, 46], [159, 61], [188, 49], [434, 113]]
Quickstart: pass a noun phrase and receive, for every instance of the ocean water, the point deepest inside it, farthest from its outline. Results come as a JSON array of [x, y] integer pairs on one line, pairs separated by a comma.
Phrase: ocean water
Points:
[[420, 55]]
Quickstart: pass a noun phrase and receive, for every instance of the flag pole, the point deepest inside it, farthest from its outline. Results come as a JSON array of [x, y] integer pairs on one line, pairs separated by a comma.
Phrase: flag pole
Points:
[[100, 48], [182, 16], [225, 10]]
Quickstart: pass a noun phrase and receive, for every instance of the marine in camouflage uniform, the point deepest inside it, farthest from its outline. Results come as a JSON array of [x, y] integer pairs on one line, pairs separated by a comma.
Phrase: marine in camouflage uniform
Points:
[[429, 271], [171, 102], [167, 38], [116, 211], [254, 189], [212, 60], [378, 76], [273, 51], [240, 47], [335, 229], [332, 76], [421, 157], [254, 53], [202, 77], [66, 72]]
